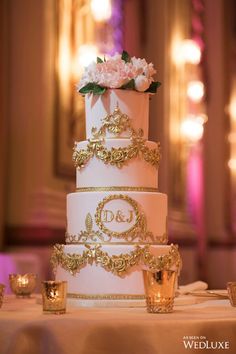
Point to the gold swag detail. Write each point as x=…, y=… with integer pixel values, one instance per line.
x=116, y=123
x=117, y=264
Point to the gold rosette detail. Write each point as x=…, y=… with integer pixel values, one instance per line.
x=117, y=264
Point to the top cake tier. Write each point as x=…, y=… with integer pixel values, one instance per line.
x=121, y=105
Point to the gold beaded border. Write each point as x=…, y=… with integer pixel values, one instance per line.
x=106, y=296
x=160, y=243
x=116, y=188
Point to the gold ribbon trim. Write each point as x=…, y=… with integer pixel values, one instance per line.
x=117, y=264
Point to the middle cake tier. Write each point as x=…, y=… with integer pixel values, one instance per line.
x=116, y=162
x=116, y=217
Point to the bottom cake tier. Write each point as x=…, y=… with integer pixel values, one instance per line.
x=110, y=275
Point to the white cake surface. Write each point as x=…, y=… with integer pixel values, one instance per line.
x=152, y=205
x=135, y=172
x=134, y=104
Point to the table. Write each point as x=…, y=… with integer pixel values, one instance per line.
x=24, y=329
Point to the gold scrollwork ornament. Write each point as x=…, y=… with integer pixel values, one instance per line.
x=115, y=123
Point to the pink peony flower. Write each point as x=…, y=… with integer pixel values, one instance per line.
x=116, y=71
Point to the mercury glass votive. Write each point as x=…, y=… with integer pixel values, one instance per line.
x=22, y=285
x=54, y=296
x=2, y=288
x=160, y=290
x=231, y=288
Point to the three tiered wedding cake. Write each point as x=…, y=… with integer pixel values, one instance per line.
x=116, y=218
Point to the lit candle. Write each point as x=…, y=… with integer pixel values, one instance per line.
x=22, y=285
x=54, y=296
x=22, y=281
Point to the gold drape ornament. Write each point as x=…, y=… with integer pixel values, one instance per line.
x=117, y=264
x=116, y=156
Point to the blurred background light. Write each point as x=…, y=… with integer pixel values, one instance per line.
x=195, y=90
x=232, y=164
x=192, y=128
x=87, y=53
x=190, y=52
x=101, y=10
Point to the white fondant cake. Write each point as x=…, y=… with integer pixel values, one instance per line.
x=116, y=218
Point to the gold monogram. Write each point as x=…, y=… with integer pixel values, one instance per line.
x=108, y=216
x=119, y=217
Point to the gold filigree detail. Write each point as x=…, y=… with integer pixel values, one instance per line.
x=89, y=223
x=117, y=122
x=117, y=264
x=118, y=189
x=106, y=296
x=96, y=236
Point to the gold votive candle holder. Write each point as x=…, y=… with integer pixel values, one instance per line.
x=160, y=290
x=22, y=285
x=231, y=288
x=2, y=288
x=54, y=296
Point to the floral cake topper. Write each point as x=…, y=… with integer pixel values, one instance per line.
x=118, y=72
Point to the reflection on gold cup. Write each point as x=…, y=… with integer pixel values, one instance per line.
x=2, y=288
x=22, y=285
x=54, y=296
x=231, y=287
x=160, y=290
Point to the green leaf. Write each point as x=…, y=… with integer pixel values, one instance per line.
x=98, y=90
x=92, y=88
x=87, y=88
x=125, y=56
x=99, y=60
x=153, y=87
x=129, y=86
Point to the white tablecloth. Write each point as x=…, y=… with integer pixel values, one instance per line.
x=24, y=329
